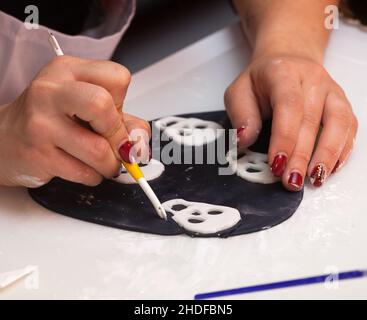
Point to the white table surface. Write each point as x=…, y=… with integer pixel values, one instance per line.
x=80, y=260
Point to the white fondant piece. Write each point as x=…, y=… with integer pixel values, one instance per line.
x=252, y=166
x=189, y=131
x=151, y=171
x=165, y=122
x=202, y=218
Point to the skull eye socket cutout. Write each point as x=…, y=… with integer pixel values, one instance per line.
x=251, y=166
x=214, y=212
x=152, y=170
x=189, y=131
x=178, y=207
x=202, y=218
x=163, y=123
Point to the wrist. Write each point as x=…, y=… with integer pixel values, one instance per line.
x=279, y=44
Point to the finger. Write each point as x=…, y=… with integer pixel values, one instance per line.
x=87, y=146
x=94, y=104
x=139, y=133
x=344, y=156
x=337, y=124
x=286, y=99
x=112, y=76
x=296, y=169
x=131, y=122
x=243, y=111
x=69, y=168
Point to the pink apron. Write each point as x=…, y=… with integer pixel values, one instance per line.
x=24, y=52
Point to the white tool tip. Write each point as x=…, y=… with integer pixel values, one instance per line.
x=153, y=198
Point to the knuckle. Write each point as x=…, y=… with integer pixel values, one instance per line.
x=144, y=125
x=332, y=151
x=344, y=120
x=355, y=123
x=339, y=103
x=100, y=149
x=119, y=74
x=39, y=88
x=62, y=61
x=36, y=126
x=302, y=157
x=100, y=101
x=123, y=75
x=36, y=122
x=113, y=124
x=311, y=121
x=287, y=136
x=291, y=100
x=87, y=175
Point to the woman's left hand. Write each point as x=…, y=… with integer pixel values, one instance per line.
x=301, y=97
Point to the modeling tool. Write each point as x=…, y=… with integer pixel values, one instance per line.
x=137, y=174
x=324, y=278
x=54, y=44
x=133, y=168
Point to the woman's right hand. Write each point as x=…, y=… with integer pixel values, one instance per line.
x=45, y=133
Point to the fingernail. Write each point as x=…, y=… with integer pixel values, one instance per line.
x=278, y=165
x=318, y=175
x=125, y=150
x=295, y=180
x=336, y=167
x=240, y=131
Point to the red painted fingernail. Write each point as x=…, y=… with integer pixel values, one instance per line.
x=278, y=165
x=295, y=180
x=239, y=131
x=318, y=175
x=125, y=150
x=336, y=167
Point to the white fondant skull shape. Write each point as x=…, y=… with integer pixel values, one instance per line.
x=151, y=171
x=251, y=166
x=202, y=218
x=189, y=131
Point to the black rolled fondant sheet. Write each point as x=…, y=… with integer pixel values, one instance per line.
x=125, y=206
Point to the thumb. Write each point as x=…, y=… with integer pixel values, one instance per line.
x=243, y=110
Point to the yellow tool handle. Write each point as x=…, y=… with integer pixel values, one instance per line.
x=134, y=170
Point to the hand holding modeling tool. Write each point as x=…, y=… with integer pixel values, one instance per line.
x=133, y=167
